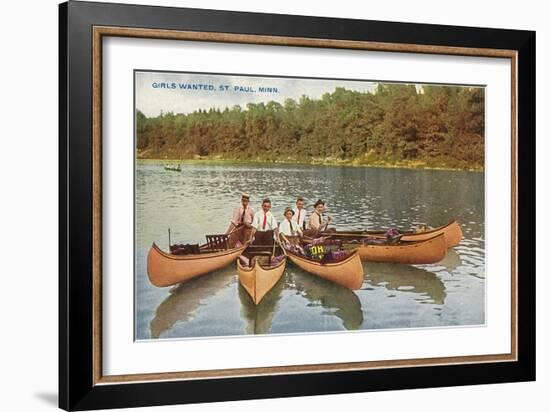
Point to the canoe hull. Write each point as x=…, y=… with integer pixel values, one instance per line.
x=258, y=281
x=348, y=273
x=451, y=231
x=165, y=269
x=428, y=251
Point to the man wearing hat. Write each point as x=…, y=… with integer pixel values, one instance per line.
x=289, y=227
x=242, y=216
x=316, y=222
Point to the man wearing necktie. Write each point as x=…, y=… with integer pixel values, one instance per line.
x=317, y=223
x=289, y=227
x=264, y=226
x=242, y=216
x=300, y=213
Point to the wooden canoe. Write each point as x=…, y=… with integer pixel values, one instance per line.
x=165, y=269
x=258, y=319
x=348, y=272
x=259, y=279
x=452, y=232
x=410, y=252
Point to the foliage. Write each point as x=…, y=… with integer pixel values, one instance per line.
x=437, y=126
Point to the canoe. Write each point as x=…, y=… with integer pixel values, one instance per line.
x=348, y=272
x=452, y=232
x=419, y=252
x=258, y=319
x=259, y=279
x=165, y=269
x=173, y=168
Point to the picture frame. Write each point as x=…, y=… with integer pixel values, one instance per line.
x=83, y=27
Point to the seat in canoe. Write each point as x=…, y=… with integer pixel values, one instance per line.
x=259, y=272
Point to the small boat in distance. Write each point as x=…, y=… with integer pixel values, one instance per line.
x=347, y=272
x=167, y=269
x=452, y=231
x=259, y=270
x=173, y=168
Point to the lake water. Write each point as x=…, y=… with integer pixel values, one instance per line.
x=200, y=200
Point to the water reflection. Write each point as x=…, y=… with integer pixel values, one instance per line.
x=186, y=298
x=337, y=300
x=405, y=278
x=451, y=261
x=259, y=318
x=201, y=198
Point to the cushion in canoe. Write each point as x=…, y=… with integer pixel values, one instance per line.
x=264, y=261
x=185, y=249
x=330, y=252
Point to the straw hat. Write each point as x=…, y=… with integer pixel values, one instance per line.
x=288, y=209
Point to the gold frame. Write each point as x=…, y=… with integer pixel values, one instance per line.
x=102, y=31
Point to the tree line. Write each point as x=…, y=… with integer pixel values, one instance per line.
x=437, y=126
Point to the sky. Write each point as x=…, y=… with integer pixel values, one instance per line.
x=188, y=92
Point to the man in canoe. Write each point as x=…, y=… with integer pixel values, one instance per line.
x=317, y=223
x=300, y=213
x=289, y=227
x=243, y=216
x=264, y=225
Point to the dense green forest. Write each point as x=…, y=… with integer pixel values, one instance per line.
x=396, y=125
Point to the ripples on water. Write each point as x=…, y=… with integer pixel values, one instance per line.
x=201, y=198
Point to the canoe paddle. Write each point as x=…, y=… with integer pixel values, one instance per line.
x=273, y=251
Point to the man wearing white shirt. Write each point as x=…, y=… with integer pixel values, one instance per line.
x=289, y=227
x=264, y=225
x=300, y=213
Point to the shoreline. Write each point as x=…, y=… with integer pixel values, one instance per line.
x=416, y=165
